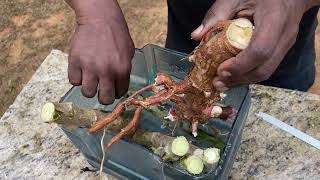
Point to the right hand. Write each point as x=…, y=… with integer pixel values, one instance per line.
x=276, y=29
x=101, y=53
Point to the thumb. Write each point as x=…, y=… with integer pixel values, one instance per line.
x=220, y=10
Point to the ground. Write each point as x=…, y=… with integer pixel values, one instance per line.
x=29, y=29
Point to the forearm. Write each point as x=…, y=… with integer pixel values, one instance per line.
x=95, y=10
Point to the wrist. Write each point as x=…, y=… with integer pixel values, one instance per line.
x=95, y=11
x=311, y=3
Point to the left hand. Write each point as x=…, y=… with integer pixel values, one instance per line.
x=276, y=28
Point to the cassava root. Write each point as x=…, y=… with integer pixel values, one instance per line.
x=195, y=96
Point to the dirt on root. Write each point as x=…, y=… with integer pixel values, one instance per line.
x=30, y=29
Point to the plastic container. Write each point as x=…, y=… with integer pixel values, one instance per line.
x=126, y=160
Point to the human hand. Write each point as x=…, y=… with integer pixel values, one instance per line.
x=101, y=52
x=276, y=28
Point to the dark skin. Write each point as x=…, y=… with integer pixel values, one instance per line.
x=102, y=49
x=276, y=29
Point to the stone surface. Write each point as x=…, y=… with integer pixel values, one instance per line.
x=30, y=149
x=267, y=152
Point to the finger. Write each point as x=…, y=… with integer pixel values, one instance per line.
x=74, y=72
x=220, y=10
x=220, y=85
x=106, y=90
x=89, y=84
x=248, y=78
x=122, y=85
x=262, y=46
x=264, y=71
x=247, y=13
x=246, y=10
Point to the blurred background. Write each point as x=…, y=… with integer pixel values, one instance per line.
x=29, y=29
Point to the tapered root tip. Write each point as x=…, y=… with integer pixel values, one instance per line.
x=239, y=33
x=48, y=112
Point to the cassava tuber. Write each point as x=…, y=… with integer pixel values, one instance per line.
x=195, y=97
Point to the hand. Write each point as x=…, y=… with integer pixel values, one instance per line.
x=276, y=28
x=101, y=53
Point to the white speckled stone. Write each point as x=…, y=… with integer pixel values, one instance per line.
x=267, y=152
x=31, y=149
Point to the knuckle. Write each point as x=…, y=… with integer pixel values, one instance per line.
x=73, y=58
x=89, y=61
x=261, y=52
x=210, y=13
x=115, y=57
x=123, y=69
x=103, y=72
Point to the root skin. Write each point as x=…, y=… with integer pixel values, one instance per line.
x=108, y=119
x=133, y=123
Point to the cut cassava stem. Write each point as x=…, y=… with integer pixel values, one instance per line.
x=157, y=140
x=71, y=116
x=68, y=114
x=173, y=148
x=193, y=164
x=211, y=155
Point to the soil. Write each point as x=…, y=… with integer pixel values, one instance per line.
x=29, y=29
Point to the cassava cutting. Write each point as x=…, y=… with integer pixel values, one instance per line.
x=169, y=149
x=195, y=97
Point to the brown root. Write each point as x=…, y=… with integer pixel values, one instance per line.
x=132, y=125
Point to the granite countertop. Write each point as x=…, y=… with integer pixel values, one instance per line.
x=34, y=150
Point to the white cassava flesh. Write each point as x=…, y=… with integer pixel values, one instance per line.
x=180, y=146
x=194, y=164
x=211, y=155
x=198, y=152
x=216, y=111
x=48, y=112
x=239, y=33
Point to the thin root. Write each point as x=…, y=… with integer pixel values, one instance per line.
x=133, y=123
x=107, y=120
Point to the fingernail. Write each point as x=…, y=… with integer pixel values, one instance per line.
x=223, y=89
x=225, y=74
x=198, y=30
x=219, y=84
